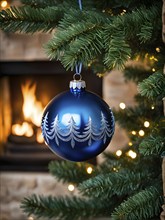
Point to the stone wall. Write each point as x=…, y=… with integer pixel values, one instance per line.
x=15, y=186
x=22, y=47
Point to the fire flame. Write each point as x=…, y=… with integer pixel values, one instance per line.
x=32, y=108
x=32, y=111
x=39, y=136
x=24, y=129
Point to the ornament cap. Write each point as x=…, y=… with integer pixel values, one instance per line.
x=79, y=84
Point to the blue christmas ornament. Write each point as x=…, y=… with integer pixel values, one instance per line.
x=77, y=125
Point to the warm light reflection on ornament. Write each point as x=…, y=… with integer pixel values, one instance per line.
x=66, y=118
x=89, y=170
x=157, y=49
x=130, y=144
x=122, y=105
x=146, y=124
x=132, y=154
x=141, y=133
x=118, y=153
x=71, y=187
x=152, y=107
x=133, y=132
x=153, y=70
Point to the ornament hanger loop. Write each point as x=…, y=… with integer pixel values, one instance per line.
x=78, y=66
x=80, y=4
x=79, y=75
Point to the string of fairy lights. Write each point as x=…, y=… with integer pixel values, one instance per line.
x=71, y=187
x=141, y=133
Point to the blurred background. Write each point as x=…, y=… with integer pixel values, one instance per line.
x=28, y=81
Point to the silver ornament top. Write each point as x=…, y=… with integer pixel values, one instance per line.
x=79, y=84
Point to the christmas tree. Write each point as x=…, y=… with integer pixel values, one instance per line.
x=105, y=35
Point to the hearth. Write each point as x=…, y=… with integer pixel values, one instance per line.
x=26, y=88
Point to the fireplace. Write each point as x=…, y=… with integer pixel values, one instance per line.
x=26, y=88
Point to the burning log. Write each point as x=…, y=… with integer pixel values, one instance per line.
x=21, y=139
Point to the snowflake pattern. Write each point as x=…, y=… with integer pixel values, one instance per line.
x=72, y=131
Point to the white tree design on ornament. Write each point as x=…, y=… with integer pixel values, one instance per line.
x=72, y=133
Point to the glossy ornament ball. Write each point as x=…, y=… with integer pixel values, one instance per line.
x=77, y=125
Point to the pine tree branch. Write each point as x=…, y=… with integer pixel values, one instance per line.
x=131, y=23
x=82, y=50
x=66, y=171
x=143, y=205
x=94, y=34
x=130, y=31
x=40, y=3
x=153, y=145
x=153, y=86
x=79, y=36
x=147, y=23
x=29, y=20
x=65, y=208
x=120, y=183
x=119, y=52
x=80, y=46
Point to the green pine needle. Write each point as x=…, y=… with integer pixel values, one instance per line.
x=78, y=40
x=143, y=205
x=119, y=52
x=65, y=208
x=118, y=183
x=30, y=20
x=153, y=86
x=152, y=145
